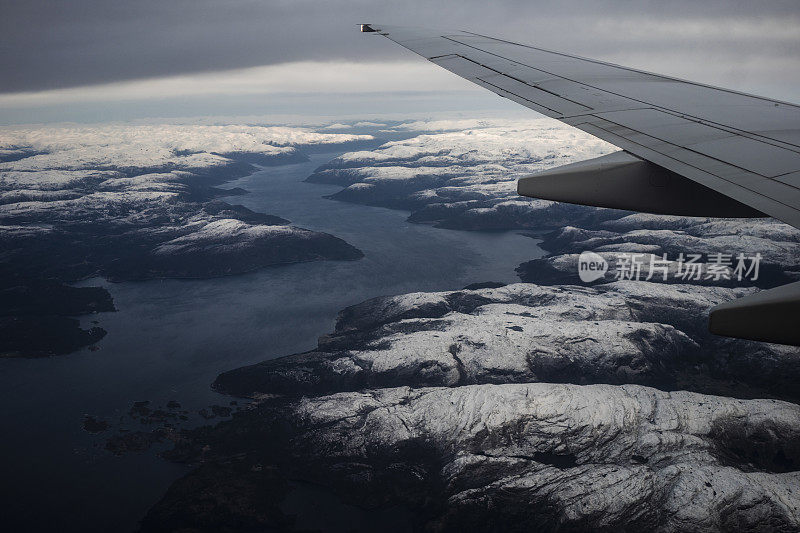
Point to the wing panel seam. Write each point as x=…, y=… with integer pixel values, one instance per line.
x=604, y=63
x=690, y=149
x=743, y=133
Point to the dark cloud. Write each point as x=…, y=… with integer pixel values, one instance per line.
x=49, y=44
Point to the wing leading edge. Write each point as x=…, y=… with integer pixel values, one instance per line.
x=691, y=148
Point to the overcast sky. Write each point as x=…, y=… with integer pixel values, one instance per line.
x=134, y=50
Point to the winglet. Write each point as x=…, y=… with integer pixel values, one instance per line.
x=367, y=28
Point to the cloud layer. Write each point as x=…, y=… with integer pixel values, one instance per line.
x=305, y=77
x=49, y=44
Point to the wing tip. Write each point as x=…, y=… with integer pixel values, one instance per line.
x=367, y=28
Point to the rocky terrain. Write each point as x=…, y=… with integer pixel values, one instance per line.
x=621, y=332
x=462, y=174
x=546, y=405
x=566, y=457
x=132, y=202
x=653, y=237
x=512, y=457
x=513, y=408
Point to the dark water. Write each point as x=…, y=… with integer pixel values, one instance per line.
x=171, y=338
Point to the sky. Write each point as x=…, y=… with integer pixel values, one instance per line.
x=111, y=59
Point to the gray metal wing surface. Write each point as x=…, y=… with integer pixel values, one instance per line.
x=724, y=153
x=745, y=147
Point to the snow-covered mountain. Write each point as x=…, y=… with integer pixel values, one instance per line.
x=128, y=201
x=465, y=178
x=548, y=405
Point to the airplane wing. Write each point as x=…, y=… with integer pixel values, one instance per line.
x=689, y=148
